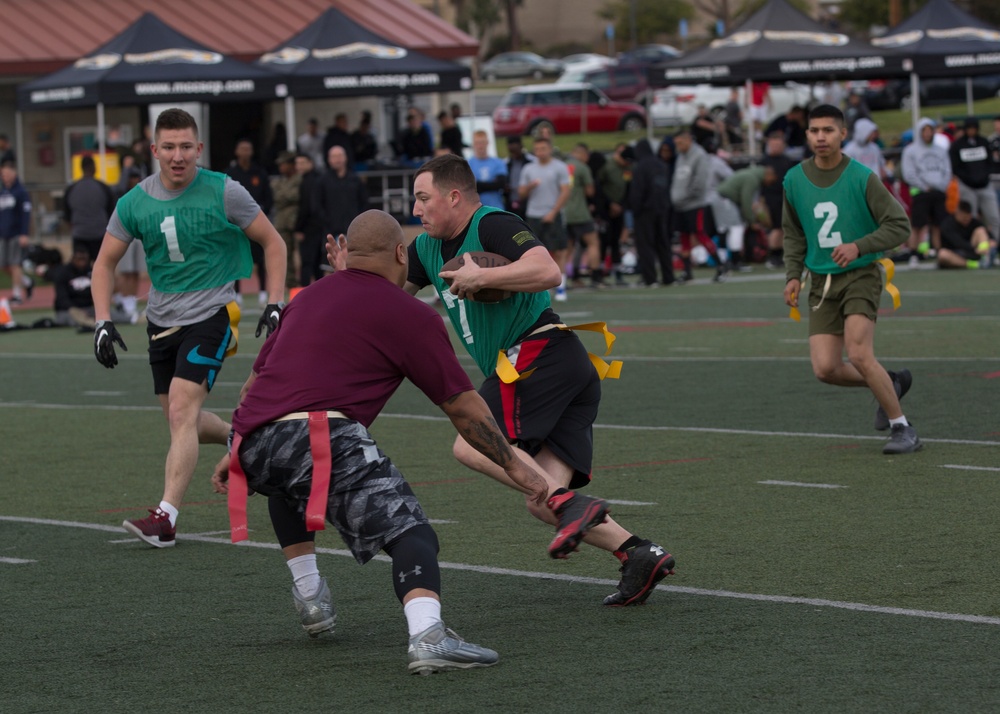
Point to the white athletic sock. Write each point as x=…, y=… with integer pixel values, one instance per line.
x=170, y=511
x=129, y=303
x=305, y=575
x=900, y=420
x=421, y=613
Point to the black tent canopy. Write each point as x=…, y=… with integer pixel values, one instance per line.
x=778, y=43
x=149, y=62
x=942, y=40
x=336, y=57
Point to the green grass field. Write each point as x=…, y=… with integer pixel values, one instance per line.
x=814, y=574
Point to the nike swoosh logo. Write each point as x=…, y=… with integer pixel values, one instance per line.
x=194, y=358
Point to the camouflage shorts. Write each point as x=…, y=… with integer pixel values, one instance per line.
x=370, y=503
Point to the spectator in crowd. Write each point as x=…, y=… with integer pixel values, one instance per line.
x=649, y=200
x=490, y=171
x=580, y=226
x=277, y=146
x=74, y=303
x=740, y=209
x=733, y=121
x=972, y=165
x=761, y=106
x=704, y=128
x=857, y=108
x=612, y=182
x=15, y=227
x=132, y=266
x=252, y=176
x=451, y=135
x=545, y=186
x=285, y=188
x=310, y=143
x=690, y=196
x=517, y=159
x=7, y=154
x=338, y=135
x=88, y=204
x=864, y=147
x=379, y=330
x=777, y=159
x=309, y=233
x=965, y=242
x=363, y=143
x=926, y=169
x=341, y=194
x=415, y=143
x=792, y=127
x=995, y=157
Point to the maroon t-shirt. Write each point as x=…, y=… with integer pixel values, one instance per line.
x=345, y=343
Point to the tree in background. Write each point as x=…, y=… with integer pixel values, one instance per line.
x=862, y=15
x=478, y=17
x=653, y=18
x=512, y=30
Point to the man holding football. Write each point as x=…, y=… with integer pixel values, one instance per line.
x=547, y=410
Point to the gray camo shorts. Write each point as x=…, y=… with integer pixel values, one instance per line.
x=370, y=504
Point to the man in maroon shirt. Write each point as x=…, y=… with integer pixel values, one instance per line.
x=343, y=347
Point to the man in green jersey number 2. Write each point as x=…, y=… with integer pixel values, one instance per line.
x=838, y=218
x=194, y=225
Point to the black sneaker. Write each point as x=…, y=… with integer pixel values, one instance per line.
x=903, y=440
x=901, y=381
x=577, y=514
x=643, y=566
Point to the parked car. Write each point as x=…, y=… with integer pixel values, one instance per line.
x=895, y=94
x=678, y=104
x=564, y=108
x=623, y=82
x=649, y=54
x=585, y=62
x=519, y=64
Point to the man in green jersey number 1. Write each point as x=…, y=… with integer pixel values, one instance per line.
x=838, y=218
x=194, y=225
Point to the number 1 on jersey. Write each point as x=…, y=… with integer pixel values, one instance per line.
x=169, y=228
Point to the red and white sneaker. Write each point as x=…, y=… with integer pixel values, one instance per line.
x=154, y=529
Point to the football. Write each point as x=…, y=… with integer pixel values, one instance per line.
x=483, y=260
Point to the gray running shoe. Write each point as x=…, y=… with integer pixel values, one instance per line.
x=901, y=380
x=437, y=649
x=317, y=614
x=903, y=440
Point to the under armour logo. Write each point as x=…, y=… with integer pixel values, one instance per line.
x=656, y=549
x=415, y=571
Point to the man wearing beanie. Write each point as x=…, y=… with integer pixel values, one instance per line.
x=970, y=161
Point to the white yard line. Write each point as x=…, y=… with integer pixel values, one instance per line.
x=969, y=468
x=803, y=485
x=701, y=592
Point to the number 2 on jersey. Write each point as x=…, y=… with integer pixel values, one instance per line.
x=827, y=210
x=169, y=228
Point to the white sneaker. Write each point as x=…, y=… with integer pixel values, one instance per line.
x=560, y=294
x=262, y=299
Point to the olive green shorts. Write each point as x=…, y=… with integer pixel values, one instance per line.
x=856, y=292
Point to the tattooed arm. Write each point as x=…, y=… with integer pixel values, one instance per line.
x=474, y=422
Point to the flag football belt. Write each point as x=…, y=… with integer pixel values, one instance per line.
x=319, y=445
x=508, y=373
x=890, y=272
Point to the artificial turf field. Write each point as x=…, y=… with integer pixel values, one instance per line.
x=814, y=574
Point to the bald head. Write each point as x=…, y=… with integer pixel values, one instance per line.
x=375, y=243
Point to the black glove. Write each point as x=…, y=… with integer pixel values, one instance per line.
x=270, y=319
x=105, y=335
